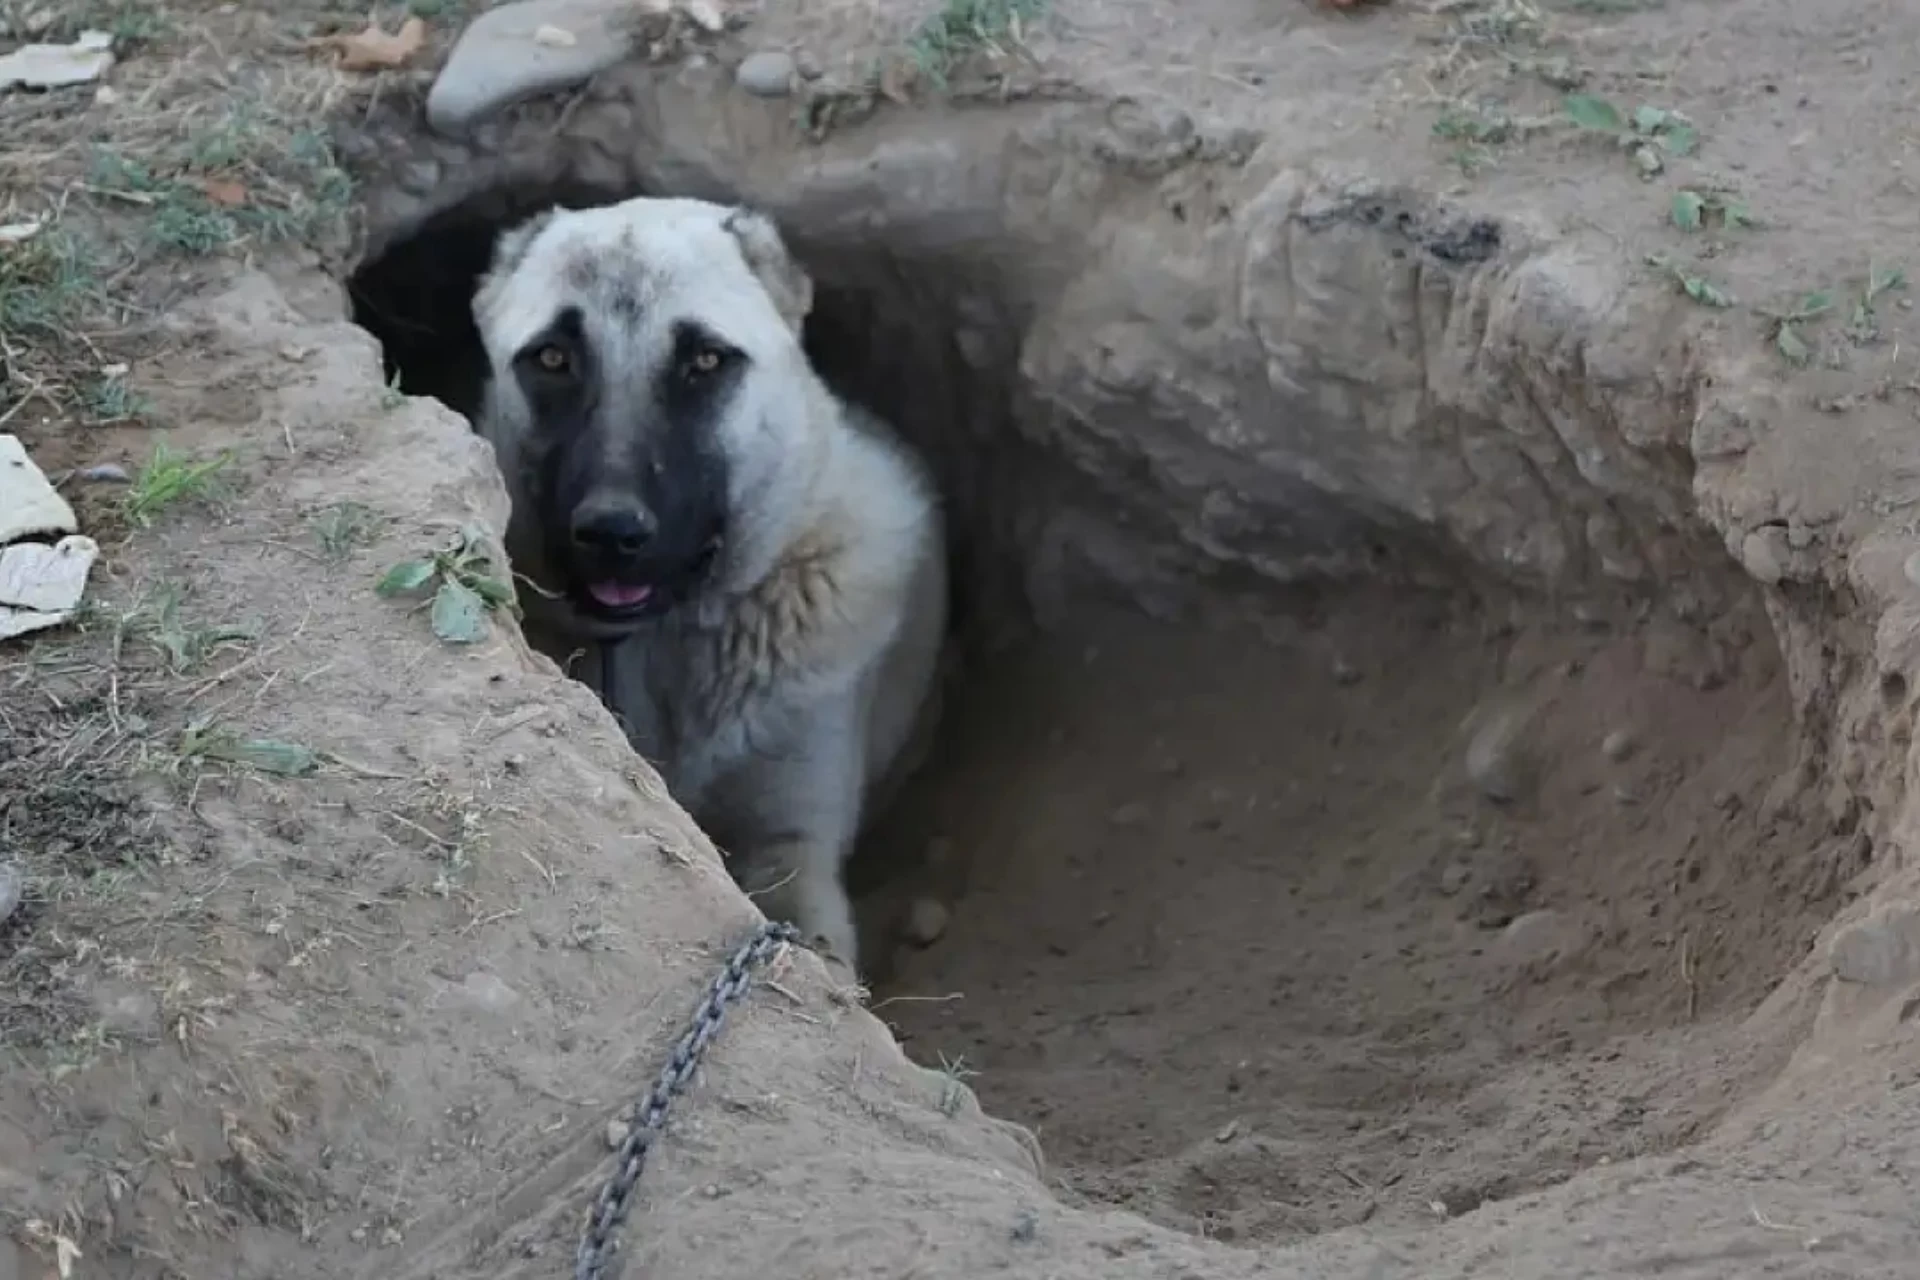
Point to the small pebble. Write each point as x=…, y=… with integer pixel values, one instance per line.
x=767, y=74
x=617, y=1131
x=1494, y=760
x=12, y=886
x=1618, y=745
x=926, y=921
x=1345, y=673
x=105, y=473
x=1538, y=936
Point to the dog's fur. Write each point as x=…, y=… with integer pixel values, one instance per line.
x=780, y=663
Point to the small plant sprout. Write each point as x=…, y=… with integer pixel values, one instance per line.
x=1648, y=134
x=954, y=1075
x=168, y=478
x=467, y=589
x=344, y=527
x=1863, y=325
x=110, y=400
x=1695, y=286
x=1693, y=210
x=1788, y=338
x=961, y=28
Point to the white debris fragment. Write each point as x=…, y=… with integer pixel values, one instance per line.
x=20, y=232
x=55, y=66
x=29, y=505
x=705, y=14
x=41, y=585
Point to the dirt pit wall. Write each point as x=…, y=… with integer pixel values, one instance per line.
x=376, y=1022
x=1159, y=358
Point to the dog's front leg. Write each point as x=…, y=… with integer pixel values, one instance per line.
x=805, y=802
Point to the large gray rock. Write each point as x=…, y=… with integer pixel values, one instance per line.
x=1881, y=951
x=521, y=50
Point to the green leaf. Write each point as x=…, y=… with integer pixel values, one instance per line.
x=1788, y=340
x=268, y=755
x=1647, y=160
x=1813, y=304
x=1648, y=119
x=1881, y=281
x=470, y=542
x=1593, y=113
x=495, y=592
x=1705, y=292
x=459, y=614
x=1680, y=139
x=408, y=575
x=1688, y=206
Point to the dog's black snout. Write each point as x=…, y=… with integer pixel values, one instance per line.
x=616, y=526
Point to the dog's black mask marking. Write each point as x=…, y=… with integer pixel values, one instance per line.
x=632, y=479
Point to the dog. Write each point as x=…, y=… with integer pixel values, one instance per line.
x=760, y=563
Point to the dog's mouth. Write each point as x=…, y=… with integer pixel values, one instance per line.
x=620, y=599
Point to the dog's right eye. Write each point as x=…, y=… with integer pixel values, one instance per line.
x=553, y=359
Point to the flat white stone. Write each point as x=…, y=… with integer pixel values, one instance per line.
x=55, y=66
x=41, y=585
x=767, y=74
x=29, y=505
x=521, y=50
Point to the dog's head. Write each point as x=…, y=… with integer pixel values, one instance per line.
x=651, y=406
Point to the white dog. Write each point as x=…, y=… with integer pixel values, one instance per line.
x=761, y=562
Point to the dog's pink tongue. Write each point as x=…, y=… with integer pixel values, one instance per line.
x=618, y=595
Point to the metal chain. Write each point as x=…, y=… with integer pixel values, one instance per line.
x=647, y=1115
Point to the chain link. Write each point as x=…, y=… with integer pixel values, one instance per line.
x=647, y=1115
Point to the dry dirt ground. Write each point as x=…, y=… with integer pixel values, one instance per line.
x=1551, y=924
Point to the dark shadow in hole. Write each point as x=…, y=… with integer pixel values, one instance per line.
x=416, y=297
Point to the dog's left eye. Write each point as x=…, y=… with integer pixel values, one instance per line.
x=706, y=360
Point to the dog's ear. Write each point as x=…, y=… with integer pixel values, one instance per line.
x=784, y=279
x=508, y=249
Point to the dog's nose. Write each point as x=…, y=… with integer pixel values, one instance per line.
x=617, y=525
